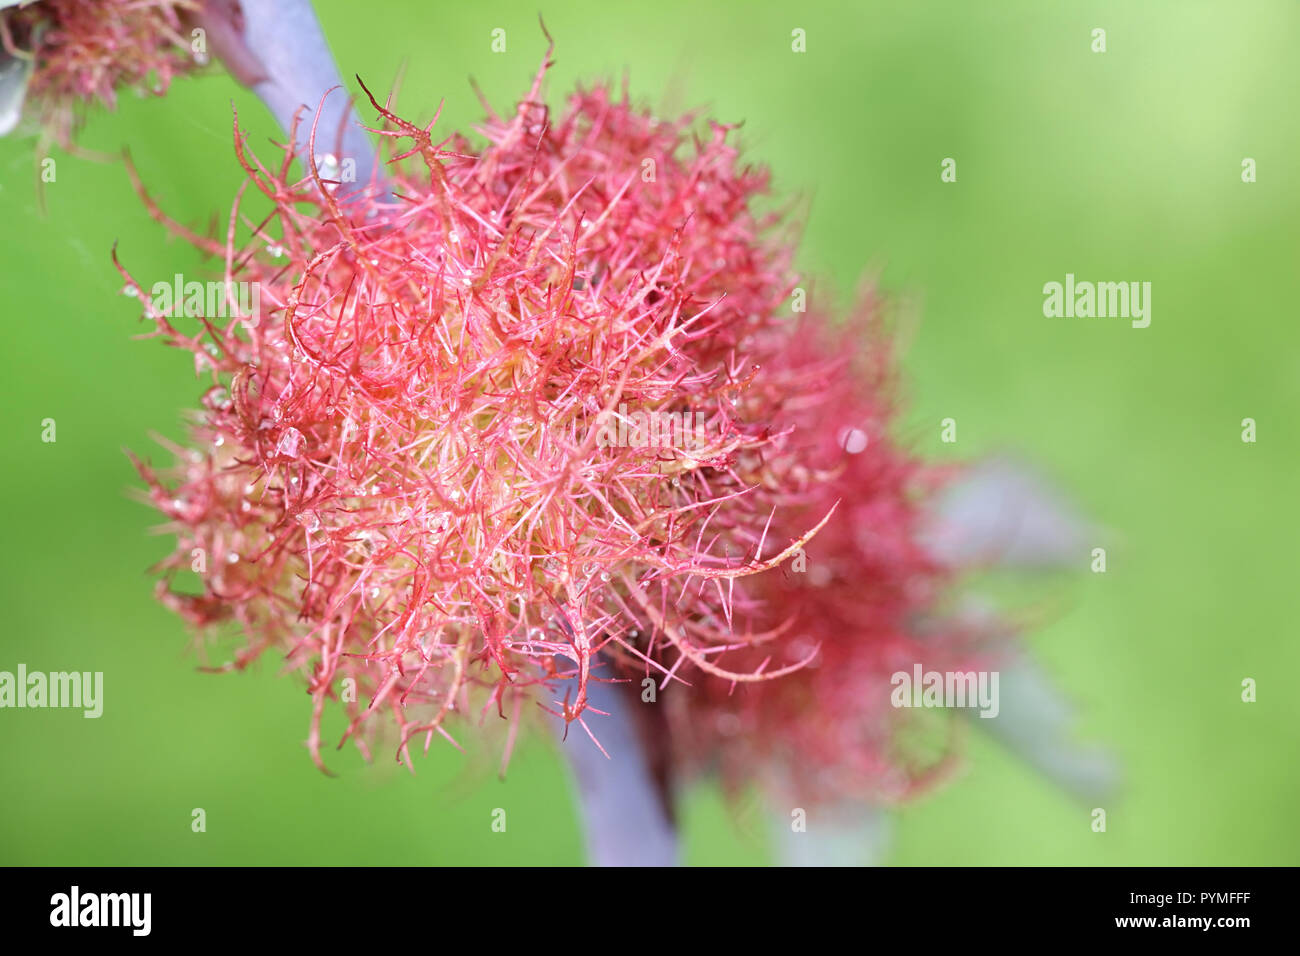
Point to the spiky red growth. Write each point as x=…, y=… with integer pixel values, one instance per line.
x=400, y=478
x=84, y=51
x=865, y=591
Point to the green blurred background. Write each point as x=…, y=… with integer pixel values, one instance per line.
x=1117, y=166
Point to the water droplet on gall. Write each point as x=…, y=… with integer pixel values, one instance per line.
x=853, y=440
x=290, y=444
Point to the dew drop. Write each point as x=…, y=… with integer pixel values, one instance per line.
x=604, y=576
x=130, y=292
x=290, y=444
x=853, y=440
x=309, y=520
x=232, y=558
x=276, y=251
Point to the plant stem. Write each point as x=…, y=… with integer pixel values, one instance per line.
x=277, y=49
x=624, y=818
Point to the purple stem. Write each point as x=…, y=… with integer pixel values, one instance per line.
x=624, y=819
x=277, y=49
